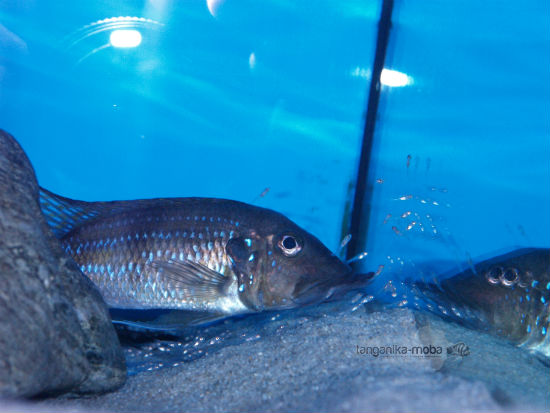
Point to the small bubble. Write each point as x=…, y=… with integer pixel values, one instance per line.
x=390, y=289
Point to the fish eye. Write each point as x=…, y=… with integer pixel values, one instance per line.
x=509, y=277
x=289, y=245
x=493, y=275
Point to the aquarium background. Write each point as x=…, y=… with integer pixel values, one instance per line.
x=264, y=102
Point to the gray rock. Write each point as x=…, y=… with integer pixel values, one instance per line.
x=55, y=331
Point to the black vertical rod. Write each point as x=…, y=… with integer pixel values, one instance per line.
x=363, y=188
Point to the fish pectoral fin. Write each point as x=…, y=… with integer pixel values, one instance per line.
x=196, y=280
x=145, y=325
x=164, y=320
x=197, y=318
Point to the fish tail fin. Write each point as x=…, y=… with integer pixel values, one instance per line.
x=65, y=214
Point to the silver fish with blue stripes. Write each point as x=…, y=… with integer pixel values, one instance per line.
x=211, y=258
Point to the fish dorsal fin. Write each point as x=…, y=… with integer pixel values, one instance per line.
x=195, y=280
x=65, y=214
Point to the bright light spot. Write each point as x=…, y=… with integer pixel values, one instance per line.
x=213, y=6
x=125, y=38
x=252, y=60
x=394, y=78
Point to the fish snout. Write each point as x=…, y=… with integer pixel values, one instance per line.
x=315, y=288
x=353, y=282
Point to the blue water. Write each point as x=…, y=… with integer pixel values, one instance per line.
x=476, y=123
x=227, y=99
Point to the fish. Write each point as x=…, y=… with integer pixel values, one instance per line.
x=207, y=258
x=507, y=295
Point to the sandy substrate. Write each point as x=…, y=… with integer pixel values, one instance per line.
x=311, y=360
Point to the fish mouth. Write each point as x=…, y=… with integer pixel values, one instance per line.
x=312, y=294
x=330, y=290
x=354, y=282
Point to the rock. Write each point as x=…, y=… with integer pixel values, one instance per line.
x=55, y=332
